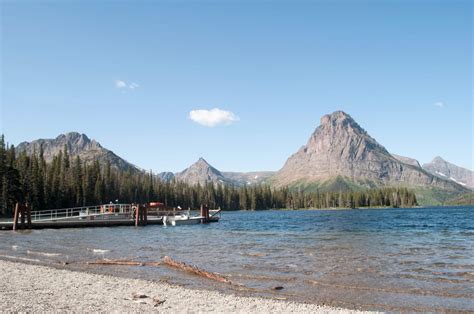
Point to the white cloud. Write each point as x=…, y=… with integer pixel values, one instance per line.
x=120, y=84
x=123, y=85
x=439, y=104
x=213, y=117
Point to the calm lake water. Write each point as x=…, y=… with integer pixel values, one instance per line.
x=385, y=259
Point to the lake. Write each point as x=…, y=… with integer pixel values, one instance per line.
x=419, y=259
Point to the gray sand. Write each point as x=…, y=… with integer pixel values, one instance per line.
x=31, y=288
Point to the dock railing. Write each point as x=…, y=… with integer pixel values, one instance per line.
x=94, y=212
x=105, y=211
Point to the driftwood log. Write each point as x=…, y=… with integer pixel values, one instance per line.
x=165, y=261
x=194, y=270
x=123, y=262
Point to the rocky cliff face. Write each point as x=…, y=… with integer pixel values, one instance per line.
x=201, y=172
x=446, y=170
x=340, y=149
x=407, y=160
x=77, y=145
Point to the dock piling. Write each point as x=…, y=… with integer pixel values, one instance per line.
x=137, y=216
x=15, y=217
x=204, y=213
x=22, y=216
x=141, y=215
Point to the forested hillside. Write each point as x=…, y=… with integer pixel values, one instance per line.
x=70, y=182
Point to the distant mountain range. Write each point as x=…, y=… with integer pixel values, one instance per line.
x=77, y=144
x=88, y=150
x=443, y=169
x=446, y=170
x=202, y=172
x=339, y=155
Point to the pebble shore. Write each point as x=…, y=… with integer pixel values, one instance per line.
x=33, y=288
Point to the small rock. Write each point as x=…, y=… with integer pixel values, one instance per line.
x=139, y=296
x=158, y=301
x=278, y=288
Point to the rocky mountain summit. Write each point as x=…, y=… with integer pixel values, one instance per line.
x=340, y=152
x=77, y=145
x=201, y=172
x=443, y=169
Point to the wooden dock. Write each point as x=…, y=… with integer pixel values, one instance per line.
x=106, y=215
x=8, y=225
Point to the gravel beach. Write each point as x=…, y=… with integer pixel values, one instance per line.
x=32, y=288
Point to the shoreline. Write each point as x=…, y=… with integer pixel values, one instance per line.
x=33, y=288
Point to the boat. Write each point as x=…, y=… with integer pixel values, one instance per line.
x=183, y=219
x=186, y=219
x=214, y=215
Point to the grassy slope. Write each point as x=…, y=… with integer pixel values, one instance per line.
x=432, y=196
x=425, y=195
x=464, y=199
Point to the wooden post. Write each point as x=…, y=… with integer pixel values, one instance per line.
x=202, y=213
x=137, y=210
x=141, y=216
x=207, y=213
x=15, y=216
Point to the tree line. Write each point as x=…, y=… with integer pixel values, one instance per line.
x=69, y=182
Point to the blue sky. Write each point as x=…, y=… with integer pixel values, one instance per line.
x=129, y=73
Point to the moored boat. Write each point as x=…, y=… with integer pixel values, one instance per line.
x=183, y=219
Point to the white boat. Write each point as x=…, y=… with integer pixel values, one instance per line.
x=183, y=219
x=214, y=215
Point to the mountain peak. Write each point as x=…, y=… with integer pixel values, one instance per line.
x=78, y=144
x=201, y=172
x=202, y=164
x=340, y=120
x=341, y=148
x=202, y=161
x=438, y=159
x=335, y=117
x=75, y=138
x=446, y=170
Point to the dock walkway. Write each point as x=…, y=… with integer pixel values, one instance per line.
x=106, y=215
